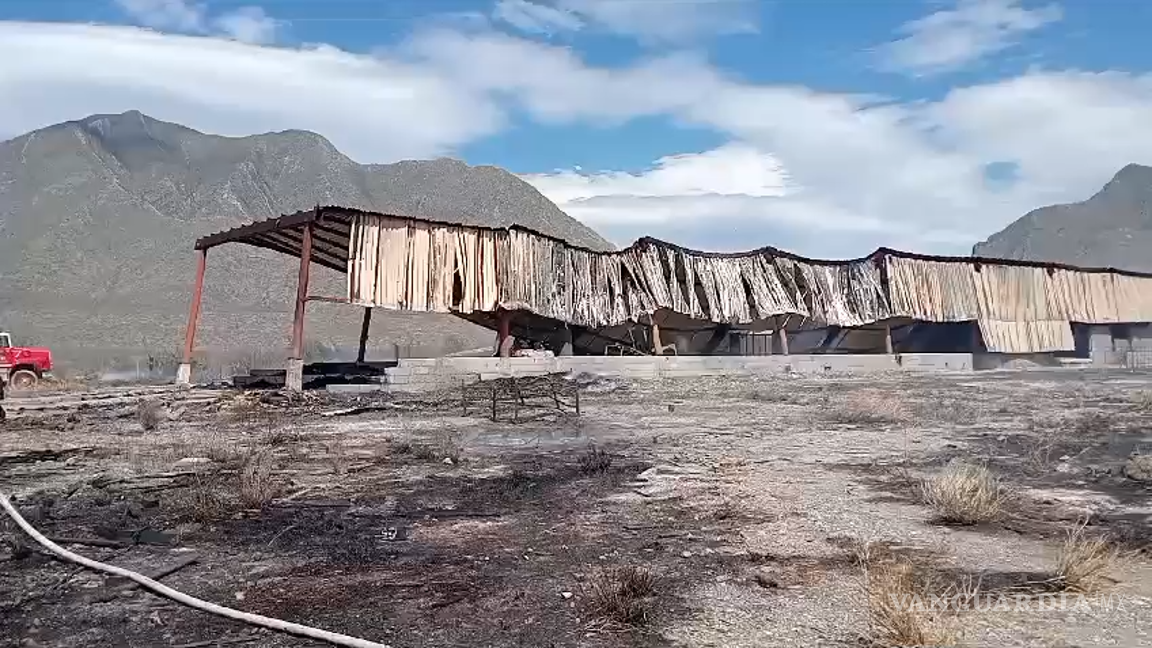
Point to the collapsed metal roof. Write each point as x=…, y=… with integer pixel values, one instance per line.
x=333, y=226
x=425, y=265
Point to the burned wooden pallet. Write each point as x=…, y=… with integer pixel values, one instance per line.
x=553, y=393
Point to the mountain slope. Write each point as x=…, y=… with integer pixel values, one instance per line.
x=98, y=217
x=1113, y=228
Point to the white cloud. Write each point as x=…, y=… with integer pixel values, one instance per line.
x=249, y=25
x=372, y=109
x=178, y=15
x=536, y=18
x=824, y=173
x=731, y=170
x=246, y=24
x=914, y=175
x=952, y=38
x=651, y=21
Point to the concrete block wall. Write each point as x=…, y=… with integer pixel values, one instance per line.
x=432, y=373
x=1141, y=340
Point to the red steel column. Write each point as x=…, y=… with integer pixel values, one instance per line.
x=194, y=312
x=301, y=294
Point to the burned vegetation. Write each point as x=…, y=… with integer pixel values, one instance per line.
x=696, y=512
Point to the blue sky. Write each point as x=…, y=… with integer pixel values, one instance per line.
x=825, y=126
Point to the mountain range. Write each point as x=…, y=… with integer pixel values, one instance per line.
x=98, y=217
x=1113, y=228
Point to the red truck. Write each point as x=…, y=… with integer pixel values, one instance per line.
x=23, y=367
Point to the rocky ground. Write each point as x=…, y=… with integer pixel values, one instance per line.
x=735, y=511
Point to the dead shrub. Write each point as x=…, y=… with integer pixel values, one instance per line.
x=1085, y=562
x=279, y=436
x=899, y=605
x=444, y=445
x=257, y=484
x=424, y=452
x=773, y=396
x=1142, y=401
x=621, y=597
x=213, y=445
x=450, y=445
x=965, y=494
x=208, y=499
x=150, y=414
x=595, y=461
x=220, y=453
x=1093, y=423
x=13, y=537
x=729, y=509
x=871, y=406
x=1040, y=448
x=337, y=455
x=964, y=411
x=245, y=408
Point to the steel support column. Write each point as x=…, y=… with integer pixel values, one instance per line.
x=294, y=379
x=364, y=335
x=184, y=373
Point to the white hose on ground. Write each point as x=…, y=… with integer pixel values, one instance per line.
x=180, y=597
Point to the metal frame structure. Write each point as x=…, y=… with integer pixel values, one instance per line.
x=323, y=235
x=319, y=235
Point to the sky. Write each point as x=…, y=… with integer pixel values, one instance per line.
x=827, y=127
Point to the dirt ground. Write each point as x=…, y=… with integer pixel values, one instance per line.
x=415, y=524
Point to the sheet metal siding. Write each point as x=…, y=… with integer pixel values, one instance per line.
x=416, y=265
x=403, y=264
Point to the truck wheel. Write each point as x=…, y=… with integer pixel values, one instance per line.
x=23, y=379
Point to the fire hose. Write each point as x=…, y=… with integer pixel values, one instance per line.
x=179, y=597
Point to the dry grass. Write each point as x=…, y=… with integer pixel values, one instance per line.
x=893, y=587
x=337, y=455
x=280, y=436
x=150, y=414
x=1092, y=423
x=965, y=494
x=12, y=537
x=595, y=461
x=1142, y=401
x=1040, y=448
x=257, y=483
x=450, y=445
x=620, y=597
x=245, y=408
x=446, y=444
x=1085, y=562
x=208, y=499
x=871, y=406
x=729, y=509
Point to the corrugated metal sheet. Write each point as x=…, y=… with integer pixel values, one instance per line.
x=418, y=265
x=932, y=291
x=1026, y=337
x=401, y=263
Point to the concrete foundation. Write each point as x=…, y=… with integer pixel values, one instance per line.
x=432, y=373
x=294, y=378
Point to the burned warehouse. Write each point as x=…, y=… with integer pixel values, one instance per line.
x=655, y=298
